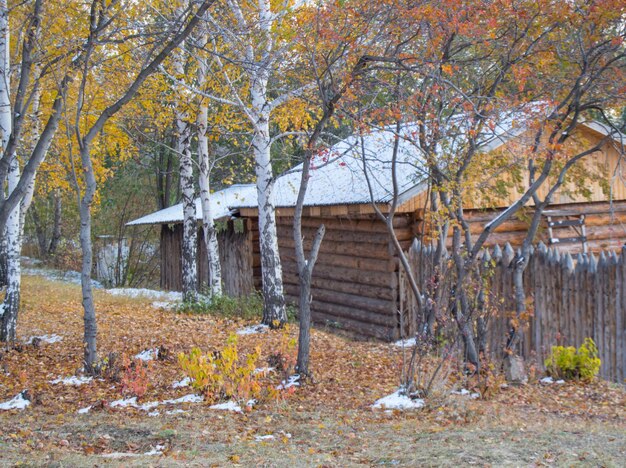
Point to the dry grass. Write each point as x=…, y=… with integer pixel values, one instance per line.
x=330, y=421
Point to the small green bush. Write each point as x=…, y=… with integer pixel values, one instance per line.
x=569, y=363
x=247, y=307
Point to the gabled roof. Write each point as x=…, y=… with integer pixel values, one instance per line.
x=338, y=176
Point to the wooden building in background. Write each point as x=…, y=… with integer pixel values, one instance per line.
x=355, y=281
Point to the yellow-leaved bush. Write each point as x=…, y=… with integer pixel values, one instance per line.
x=571, y=363
x=221, y=375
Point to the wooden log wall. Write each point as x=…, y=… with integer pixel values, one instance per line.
x=572, y=298
x=354, y=284
x=605, y=225
x=235, y=256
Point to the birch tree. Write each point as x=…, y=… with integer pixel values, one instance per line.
x=10, y=305
x=99, y=19
x=184, y=132
x=204, y=173
x=253, y=37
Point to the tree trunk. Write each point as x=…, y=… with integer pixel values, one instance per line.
x=11, y=303
x=56, y=224
x=274, y=313
x=208, y=224
x=204, y=178
x=190, y=229
x=91, y=327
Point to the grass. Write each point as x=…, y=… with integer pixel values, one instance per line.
x=329, y=421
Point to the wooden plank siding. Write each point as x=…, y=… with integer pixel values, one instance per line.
x=235, y=258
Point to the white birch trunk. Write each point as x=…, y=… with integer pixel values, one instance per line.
x=11, y=303
x=274, y=313
x=190, y=230
x=208, y=223
x=204, y=179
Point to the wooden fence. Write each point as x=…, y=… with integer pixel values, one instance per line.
x=571, y=298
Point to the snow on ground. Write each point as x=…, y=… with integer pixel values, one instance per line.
x=49, y=339
x=148, y=355
x=169, y=296
x=69, y=276
x=292, y=381
x=123, y=403
x=261, y=438
x=263, y=370
x=132, y=402
x=550, y=380
x=466, y=392
x=164, y=305
x=17, y=402
x=182, y=383
x=84, y=410
x=73, y=380
x=398, y=400
x=409, y=342
x=252, y=329
x=158, y=450
x=227, y=406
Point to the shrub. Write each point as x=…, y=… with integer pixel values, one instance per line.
x=135, y=379
x=569, y=363
x=247, y=307
x=221, y=375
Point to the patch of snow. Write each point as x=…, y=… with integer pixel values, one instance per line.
x=176, y=411
x=164, y=305
x=398, y=400
x=84, y=410
x=182, y=383
x=73, y=380
x=409, y=342
x=49, y=339
x=292, y=381
x=263, y=370
x=132, y=402
x=550, y=380
x=465, y=392
x=170, y=296
x=227, y=406
x=253, y=329
x=71, y=277
x=148, y=355
x=123, y=403
x=264, y=437
x=153, y=414
x=17, y=402
x=158, y=450
x=191, y=398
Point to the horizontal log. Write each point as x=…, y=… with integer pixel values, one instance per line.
x=333, y=247
x=339, y=235
x=360, y=304
x=347, y=224
x=376, y=278
x=346, y=261
x=377, y=292
x=355, y=326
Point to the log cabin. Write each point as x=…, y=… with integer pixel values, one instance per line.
x=355, y=282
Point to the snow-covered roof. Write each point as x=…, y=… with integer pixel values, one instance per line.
x=338, y=176
x=221, y=204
